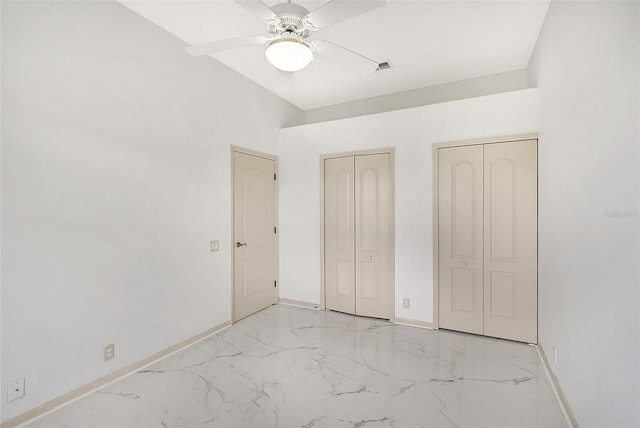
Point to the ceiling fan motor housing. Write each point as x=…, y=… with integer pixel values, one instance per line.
x=291, y=15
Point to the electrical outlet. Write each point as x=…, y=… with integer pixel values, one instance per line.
x=555, y=355
x=406, y=303
x=109, y=352
x=214, y=246
x=15, y=389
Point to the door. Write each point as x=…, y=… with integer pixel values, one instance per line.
x=460, y=234
x=358, y=234
x=487, y=239
x=254, y=234
x=510, y=241
x=339, y=234
x=373, y=230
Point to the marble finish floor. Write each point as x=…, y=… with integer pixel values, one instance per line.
x=293, y=367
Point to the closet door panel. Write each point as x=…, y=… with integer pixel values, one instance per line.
x=460, y=249
x=510, y=241
x=339, y=234
x=373, y=235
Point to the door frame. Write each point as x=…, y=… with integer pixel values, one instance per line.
x=234, y=150
x=436, y=222
x=391, y=151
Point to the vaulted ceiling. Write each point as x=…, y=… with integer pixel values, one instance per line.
x=427, y=42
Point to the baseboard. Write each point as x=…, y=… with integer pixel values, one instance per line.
x=97, y=384
x=557, y=390
x=414, y=323
x=300, y=303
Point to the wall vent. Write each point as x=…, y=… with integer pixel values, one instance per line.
x=384, y=65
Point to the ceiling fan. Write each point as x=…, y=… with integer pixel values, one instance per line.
x=289, y=27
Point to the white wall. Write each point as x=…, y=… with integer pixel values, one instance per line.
x=115, y=177
x=586, y=66
x=412, y=132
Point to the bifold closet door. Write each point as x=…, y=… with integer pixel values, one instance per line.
x=357, y=234
x=460, y=249
x=339, y=234
x=510, y=241
x=487, y=239
x=373, y=235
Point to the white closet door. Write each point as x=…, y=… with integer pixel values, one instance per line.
x=339, y=234
x=373, y=235
x=460, y=250
x=510, y=241
x=255, y=249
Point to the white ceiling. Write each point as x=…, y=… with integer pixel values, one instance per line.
x=428, y=42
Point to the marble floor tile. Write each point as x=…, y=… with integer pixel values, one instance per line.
x=293, y=367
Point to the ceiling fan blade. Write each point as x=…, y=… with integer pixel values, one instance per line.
x=339, y=10
x=283, y=81
x=345, y=57
x=224, y=45
x=259, y=9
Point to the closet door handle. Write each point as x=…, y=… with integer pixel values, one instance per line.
x=240, y=244
x=465, y=264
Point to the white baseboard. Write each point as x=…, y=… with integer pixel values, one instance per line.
x=557, y=390
x=414, y=323
x=68, y=398
x=299, y=303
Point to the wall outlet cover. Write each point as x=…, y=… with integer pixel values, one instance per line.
x=406, y=303
x=109, y=352
x=15, y=389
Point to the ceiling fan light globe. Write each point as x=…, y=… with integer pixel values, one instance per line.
x=289, y=54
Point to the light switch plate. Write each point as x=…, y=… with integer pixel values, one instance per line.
x=406, y=303
x=215, y=246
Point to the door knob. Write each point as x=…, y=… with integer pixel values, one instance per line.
x=370, y=258
x=465, y=264
x=240, y=244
